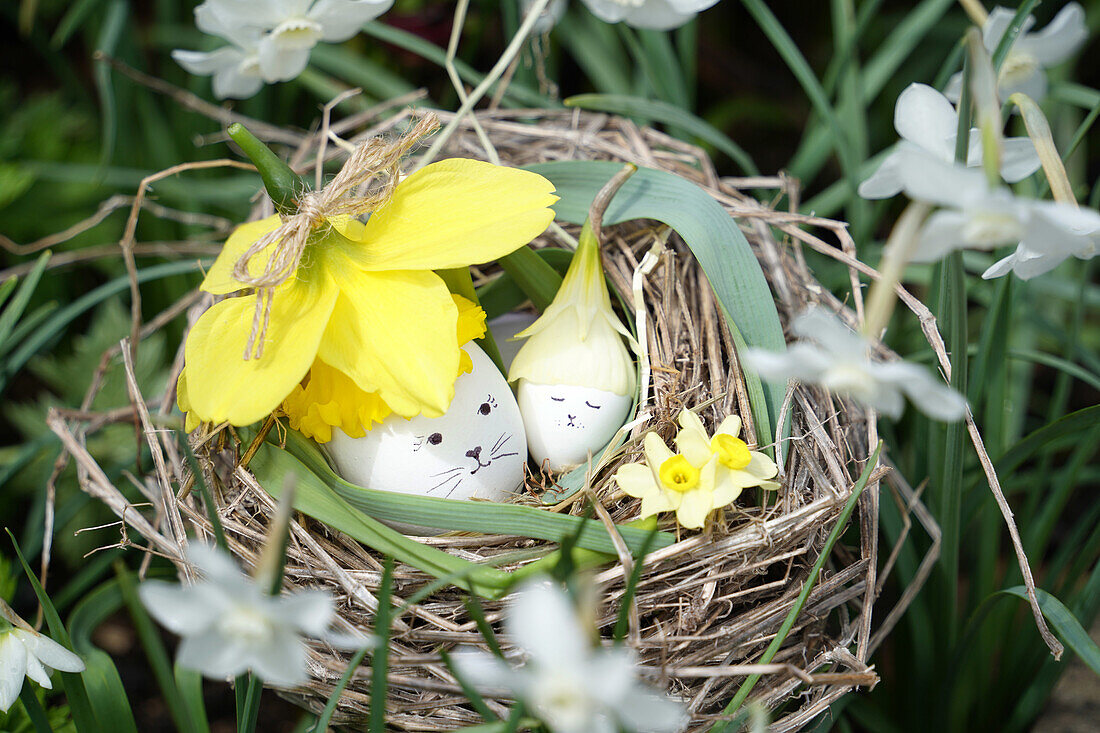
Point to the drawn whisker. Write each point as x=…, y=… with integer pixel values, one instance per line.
x=449, y=470
x=495, y=456
x=444, y=482
x=501, y=441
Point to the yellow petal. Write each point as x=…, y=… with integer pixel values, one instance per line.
x=394, y=333
x=471, y=325
x=636, y=480
x=692, y=439
x=697, y=505
x=455, y=213
x=219, y=280
x=730, y=426
x=222, y=385
x=190, y=420
x=761, y=466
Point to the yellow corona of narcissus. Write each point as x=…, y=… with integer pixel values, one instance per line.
x=707, y=473
x=364, y=307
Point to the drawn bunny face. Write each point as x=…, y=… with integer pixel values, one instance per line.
x=566, y=422
x=476, y=448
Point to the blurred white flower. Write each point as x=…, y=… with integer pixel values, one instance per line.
x=567, y=683
x=976, y=216
x=1023, y=68
x=926, y=119
x=230, y=625
x=1055, y=233
x=27, y=653
x=272, y=39
x=655, y=14
x=840, y=361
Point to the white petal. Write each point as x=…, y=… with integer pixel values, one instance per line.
x=824, y=327
x=942, y=233
x=659, y=15
x=230, y=18
x=884, y=182
x=310, y=610
x=237, y=83
x=1019, y=159
x=1033, y=85
x=1001, y=267
x=13, y=667
x=1061, y=38
x=484, y=670
x=924, y=117
x=646, y=710
x=49, y=652
x=205, y=64
x=801, y=361
x=213, y=654
x=182, y=610
x=282, y=662
x=928, y=178
x=542, y=622
x=928, y=392
x=342, y=19
x=216, y=564
x=953, y=90
x=37, y=672
x=609, y=11
x=995, y=26
x=281, y=64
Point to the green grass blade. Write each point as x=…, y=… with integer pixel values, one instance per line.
x=11, y=315
x=1067, y=427
x=154, y=651
x=652, y=110
x=622, y=623
x=34, y=710
x=75, y=690
x=334, y=697
x=110, y=31
x=380, y=659
x=63, y=317
x=358, y=70
x=106, y=691
x=189, y=683
x=713, y=237
x=504, y=295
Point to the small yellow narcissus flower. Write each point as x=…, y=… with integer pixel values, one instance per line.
x=708, y=473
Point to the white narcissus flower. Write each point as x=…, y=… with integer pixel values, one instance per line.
x=1023, y=68
x=659, y=15
x=840, y=362
x=272, y=38
x=26, y=653
x=926, y=119
x=567, y=683
x=228, y=624
x=976, y=216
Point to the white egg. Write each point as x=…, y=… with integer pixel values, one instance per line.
x=565, y=422
x=476, y=449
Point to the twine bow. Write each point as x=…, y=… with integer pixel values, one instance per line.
x=374, y=159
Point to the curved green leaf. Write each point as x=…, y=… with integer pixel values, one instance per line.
x=1065, y=623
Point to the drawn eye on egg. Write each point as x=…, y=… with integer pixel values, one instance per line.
x=594, y=407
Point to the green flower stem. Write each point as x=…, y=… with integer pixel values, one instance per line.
x=34, y=710
x=807, y=586
x=460, y=282
x=283, y=185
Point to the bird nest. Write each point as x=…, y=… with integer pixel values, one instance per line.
x=707, y=605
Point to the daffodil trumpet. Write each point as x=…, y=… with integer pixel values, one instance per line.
x=576, y=379
x=354, y=305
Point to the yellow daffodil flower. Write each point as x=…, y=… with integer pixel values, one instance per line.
x=669, y=482
x=738, y=467
x=364, y=300
x=707, y=474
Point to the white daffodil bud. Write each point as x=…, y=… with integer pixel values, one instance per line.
x=576, y=377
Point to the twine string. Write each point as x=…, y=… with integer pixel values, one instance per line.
x=376, y=159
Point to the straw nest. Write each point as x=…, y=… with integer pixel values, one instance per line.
x=708, y=604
